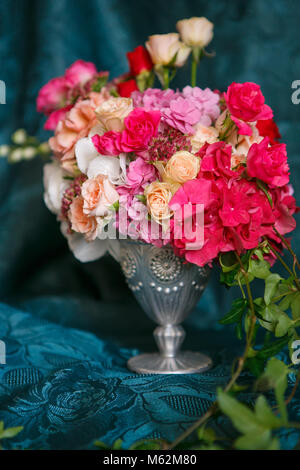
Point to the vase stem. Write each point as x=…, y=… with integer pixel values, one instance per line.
x=169, y=339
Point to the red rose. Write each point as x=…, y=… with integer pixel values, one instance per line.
x=126, y=88
x=269, y=164
x=139, y=60
x=268, y=128
x=246, y=103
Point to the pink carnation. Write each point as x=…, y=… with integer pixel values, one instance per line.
x=269, y=164
x=108, y=143
x=52, y=95
x=55, y=117
x=80, y=72
x=246, y=103
x=216, y=160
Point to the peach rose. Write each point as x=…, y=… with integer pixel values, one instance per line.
x=76, y=125
x=81, y=222
x=195, y=32
x=182, y=166
x=241, y=145
x=98, y=195
x=202, y=135
x=111, y=113
x=163, y=47
x=158, y=196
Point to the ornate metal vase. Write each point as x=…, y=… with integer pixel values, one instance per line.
x=167, y=290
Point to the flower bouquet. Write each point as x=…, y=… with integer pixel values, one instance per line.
x=168, y=181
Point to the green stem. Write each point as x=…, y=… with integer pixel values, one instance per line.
x=288, y=247
x=285, y=266
x=166, y=74
x=194, y=72
x=241, y=362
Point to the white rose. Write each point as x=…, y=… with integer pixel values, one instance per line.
x=163, y=47
x=54, y=185
x=195, y=32
x=92, y=164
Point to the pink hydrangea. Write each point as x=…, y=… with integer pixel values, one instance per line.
x=181, y=110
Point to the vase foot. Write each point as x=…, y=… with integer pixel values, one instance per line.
x=186, y=362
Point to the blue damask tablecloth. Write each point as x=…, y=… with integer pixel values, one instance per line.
x=68, y=386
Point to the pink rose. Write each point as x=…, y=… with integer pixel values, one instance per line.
x=140, y=127
x=216, y=159
x=108, y=143
x=55, y=117
x=80, y=72
x=246, y=103
x=52, y=96
x=269, y=164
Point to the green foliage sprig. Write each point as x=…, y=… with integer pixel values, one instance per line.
x=24, y=147
x=8, y=433
x=276, y=314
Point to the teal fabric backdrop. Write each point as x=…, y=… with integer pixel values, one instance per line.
x=69, y=387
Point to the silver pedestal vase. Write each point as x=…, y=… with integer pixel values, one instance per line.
x=167, y=289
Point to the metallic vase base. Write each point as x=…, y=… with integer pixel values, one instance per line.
x=185, y=362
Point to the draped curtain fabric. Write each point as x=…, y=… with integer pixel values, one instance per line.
x=69, y=327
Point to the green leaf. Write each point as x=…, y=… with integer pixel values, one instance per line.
x=206, y=434
x=265, y=415
x=275, y=376
x=101, y=445
x=147, y=444
x=236, y=312
x=10, y=432
x=117, y=445
x=259, y=268
x=271, y=283
x=228, y=262
x=273, y=348
x=271, y=315
x=242, y=417
x=283, y=325
x=295, y=306
x=141, y=198
x=256, y=365
x=257, y=441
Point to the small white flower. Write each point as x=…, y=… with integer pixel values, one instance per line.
x=19, y=137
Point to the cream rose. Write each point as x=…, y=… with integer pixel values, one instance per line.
x=202, y=135
x=98, y=195
x=81, y=222
x=163, y=47
x=158, y=196
x=182, y=166
x=111, y=113
x=195, y=32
